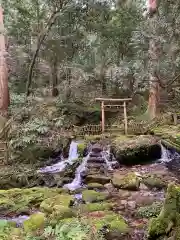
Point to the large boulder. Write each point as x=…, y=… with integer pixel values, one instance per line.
x=130, y=150
x=129, y=181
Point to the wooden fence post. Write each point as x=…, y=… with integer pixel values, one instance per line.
x=125, y=118
x=103, y=117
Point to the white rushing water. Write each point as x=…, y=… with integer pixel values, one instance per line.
x=76, y=183
x=166, y=155
x=61, y=165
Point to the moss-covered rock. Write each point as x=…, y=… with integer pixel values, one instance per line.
x=131, y=150
x=95, y=185
x=153, y=181
x=51, y=204
x=90, y=196
x=129, y=181
x=36, y=221
x=96, y=178
x=168, y=217
x=61, y=212
x=21, y=201
x=112, y=221
x=93, y=207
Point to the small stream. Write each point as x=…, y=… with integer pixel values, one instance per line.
x=167, y=157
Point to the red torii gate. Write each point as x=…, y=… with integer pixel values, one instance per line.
x=104, y=106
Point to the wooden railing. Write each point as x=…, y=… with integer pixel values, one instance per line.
x=3, y=153
x=96, y=129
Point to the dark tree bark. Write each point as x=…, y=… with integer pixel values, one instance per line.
x=41, y=38
x=4, y=92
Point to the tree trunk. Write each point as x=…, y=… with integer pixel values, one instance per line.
x=54, y=74
x=4, y=92
x=41, y=38
x=154, y=55
x=153, y=97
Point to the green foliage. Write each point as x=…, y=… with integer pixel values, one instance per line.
x=150, y=211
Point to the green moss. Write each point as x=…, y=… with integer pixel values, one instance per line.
x=90, y=196
x=129, y=181
x=150, y=211
x=92, y=207
x=51, y=204
x=96, y=178
x=113, y=221
x=168, y=215
x=61, y=212
x=95, y=185
x=36, y=221
x=153, y=181
x=81, y=148
x=21, y=200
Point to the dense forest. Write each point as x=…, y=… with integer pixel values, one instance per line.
x=56, y=58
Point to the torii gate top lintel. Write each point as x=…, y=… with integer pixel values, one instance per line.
x=124, y=100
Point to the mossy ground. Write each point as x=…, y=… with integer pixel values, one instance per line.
x=19, y=201
x=114, y=222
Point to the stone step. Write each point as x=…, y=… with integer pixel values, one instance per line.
x=95, y=154
x=96, y=160
x=97, y=148
x=96, y=165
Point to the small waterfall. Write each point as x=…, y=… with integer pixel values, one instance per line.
x=166, y=156
x=77, y=182
x=73, y=151
x=61, y=165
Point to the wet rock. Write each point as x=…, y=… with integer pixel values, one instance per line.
x=96, y=160
x=132, y=204
x=109, y=187
x=35, y=222
x=98, y=178
x=153, y=181
x=129, y=181
x=144, y=200
x=143, y=187
x=124, y=194
x=90, y=196
x=95, y=155
x=124, y=202
x=95, y=186
x=96, y=148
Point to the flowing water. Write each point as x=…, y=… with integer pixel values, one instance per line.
x=168, y=156
x=61, y=165
x=77, y=182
